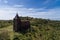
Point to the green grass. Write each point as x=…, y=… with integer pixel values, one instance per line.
x=41, y=29
x=37, y=33
x=9, y=29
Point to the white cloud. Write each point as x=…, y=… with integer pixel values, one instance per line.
x=12, y=10
x=8, y=12
x=18, y=5
x=47, y=1
x=5, y=1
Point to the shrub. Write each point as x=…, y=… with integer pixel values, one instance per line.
x=4, y=35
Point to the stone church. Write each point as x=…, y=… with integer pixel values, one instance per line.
x=20, y=25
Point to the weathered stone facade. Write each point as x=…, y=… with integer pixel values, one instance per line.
x=20, y=25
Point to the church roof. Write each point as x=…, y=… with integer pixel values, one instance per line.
x=16, y=17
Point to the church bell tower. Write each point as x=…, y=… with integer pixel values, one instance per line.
x=17, y=23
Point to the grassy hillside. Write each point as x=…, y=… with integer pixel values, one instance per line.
x=41, y=29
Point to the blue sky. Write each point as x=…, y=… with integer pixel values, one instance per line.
x=47, y=9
